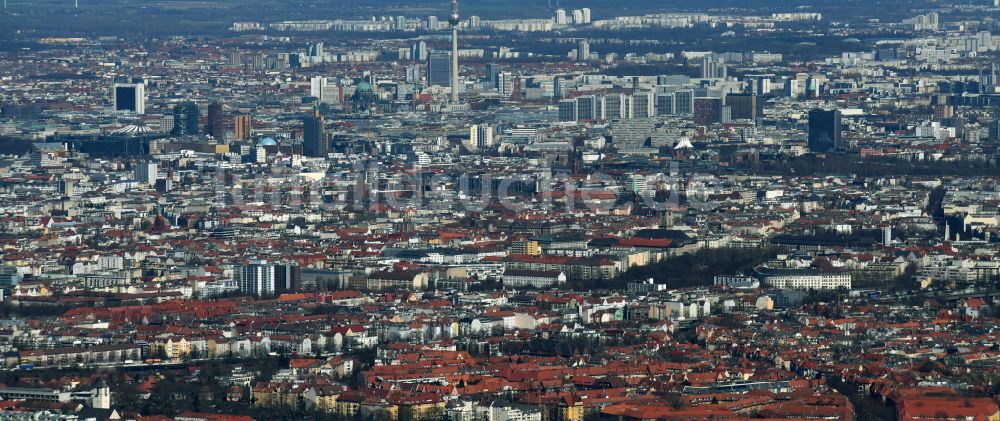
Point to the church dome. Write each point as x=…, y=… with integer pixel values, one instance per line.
x=364, y=87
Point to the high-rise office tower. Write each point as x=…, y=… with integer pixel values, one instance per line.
x=665, y=104
x=257, y=155
x=642, y=105
x=585, y=107
x=438, y=68
x=67, y=186
x=760, y=85
x=615, y=107
x=993, y=132
x=130, y=98
x=793, y=88
x=418, y=51
x=242, y=125
x=712, y=69
x=287, y=277
x=567, y=110
x=453, y=21
x=216, y=126
x=10, y=276
x=585, y=12
x=707, y=111
x=726, y=116
x=824, y=130
x=235, y=59
x=943, y=112
x=492, y=75
x=413, y=74
x=316, y=87
x=314, y=135
x=480, y=136
x=505, y=84
x=146, y=172
x=560, y=17
x=186, y=119
x=684, y=102
x=583, y=51
x=167, y=123
x=814, y=87
x=432, y=23
x=599, y=114
x=316, y=50
x=578, y=17
x=257, y=278
x=745, y=106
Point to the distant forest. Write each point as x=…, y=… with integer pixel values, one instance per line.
x=688, y=270
x=838, y=164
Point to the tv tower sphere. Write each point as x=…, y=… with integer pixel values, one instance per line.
x=453, y=18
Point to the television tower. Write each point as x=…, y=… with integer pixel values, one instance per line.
x=453, y=21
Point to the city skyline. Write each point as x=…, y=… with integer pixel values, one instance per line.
x=532, y=210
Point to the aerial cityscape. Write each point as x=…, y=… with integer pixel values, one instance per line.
x=499, y=210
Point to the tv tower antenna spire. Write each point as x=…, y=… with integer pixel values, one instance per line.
x=453, y=21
